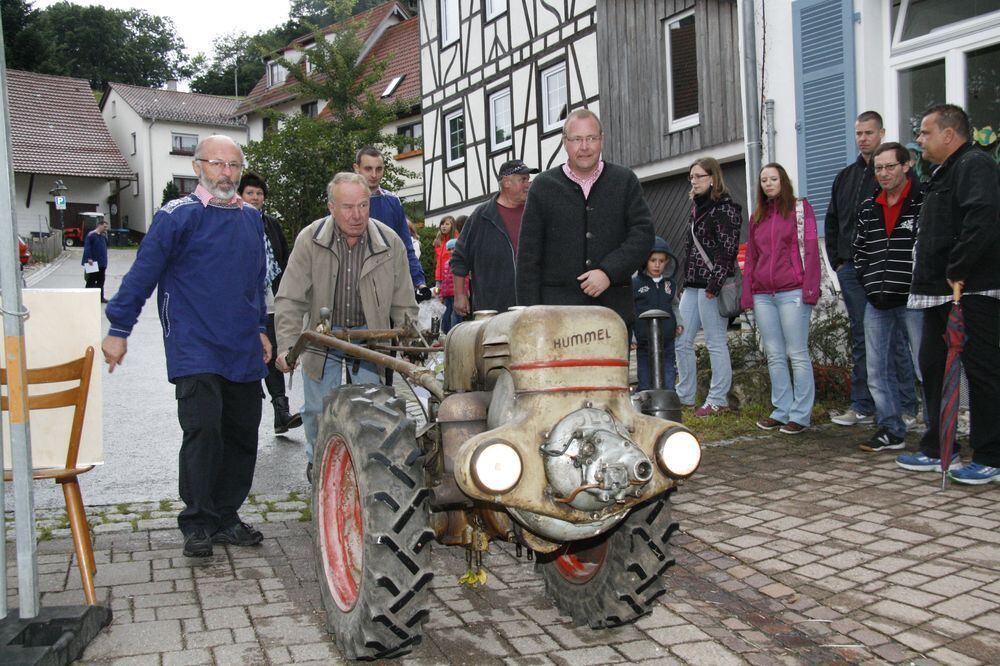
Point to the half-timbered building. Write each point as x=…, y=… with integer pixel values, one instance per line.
x=498, y=78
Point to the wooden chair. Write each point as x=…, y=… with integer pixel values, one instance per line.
x=77, y=370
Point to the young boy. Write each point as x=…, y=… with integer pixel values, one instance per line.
x=654, y=288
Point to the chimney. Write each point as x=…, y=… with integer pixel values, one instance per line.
x=172, y=84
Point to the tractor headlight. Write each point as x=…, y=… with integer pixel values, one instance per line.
x=678, y=453
x=496, y=467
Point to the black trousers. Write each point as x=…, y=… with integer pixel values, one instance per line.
x=95, y=281
x=219, y=450
x=981, y=360
x=275, y=380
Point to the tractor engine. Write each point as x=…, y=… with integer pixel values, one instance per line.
x=538, y=424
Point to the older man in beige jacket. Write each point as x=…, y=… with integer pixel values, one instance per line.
x=357, y=267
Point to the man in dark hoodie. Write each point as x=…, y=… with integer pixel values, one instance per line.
x=883, y=261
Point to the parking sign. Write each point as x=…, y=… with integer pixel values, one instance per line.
x=60, y=203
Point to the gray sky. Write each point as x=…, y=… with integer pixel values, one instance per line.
x=201, y=21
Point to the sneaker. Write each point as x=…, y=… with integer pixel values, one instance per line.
x=918, y=462
x=851, y=417
x=709, y=409
x=975, y=474
x=197, y=544
x=910, y=422
x=239, y=534
x=792, y=428
x=769, y=423
x=883, y=440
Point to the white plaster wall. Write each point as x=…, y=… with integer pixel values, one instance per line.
x=121, y=121
x=36, y=217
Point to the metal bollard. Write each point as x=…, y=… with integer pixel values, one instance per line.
x=658, y=401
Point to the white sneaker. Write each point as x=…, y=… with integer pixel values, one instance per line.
x=851, y=417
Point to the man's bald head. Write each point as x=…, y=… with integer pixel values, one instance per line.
x=218, y=161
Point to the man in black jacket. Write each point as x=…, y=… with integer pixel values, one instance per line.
x=253, y=190
x=487, y=247
x=586, y=227
x=883, y=260
x=958, y=248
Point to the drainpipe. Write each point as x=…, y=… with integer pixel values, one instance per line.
x=751, y=94
x=771, y=132
x=147, y=196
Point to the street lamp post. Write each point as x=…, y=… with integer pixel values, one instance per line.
x=59, y=189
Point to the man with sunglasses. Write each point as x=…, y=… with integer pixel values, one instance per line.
x=204, y=254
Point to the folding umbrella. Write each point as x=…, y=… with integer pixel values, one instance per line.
x=954, y=336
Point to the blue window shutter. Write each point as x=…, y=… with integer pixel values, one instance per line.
x=823, y=38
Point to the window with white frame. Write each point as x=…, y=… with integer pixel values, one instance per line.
x=186, y=184
x=495, y=8
x=134, y=146
x=276, y=73
x=449, y=16
x=183, y=144
x=924, y=20
x=501, y=126
x=412, y=134
x=945, y=51
x=454, y=138
x=553, y=96
x=682, y=71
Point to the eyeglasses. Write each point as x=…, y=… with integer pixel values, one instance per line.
x=577, y=140
x=221, y=164
x=886, y=167
x=698, y=176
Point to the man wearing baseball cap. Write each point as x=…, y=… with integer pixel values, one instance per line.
x=487, y=248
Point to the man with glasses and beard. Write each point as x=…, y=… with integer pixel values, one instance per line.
x=205, y=256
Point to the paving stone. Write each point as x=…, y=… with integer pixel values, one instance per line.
x=288, y=630
x=963, y=607
x=909, y=596
x=230, y=593
x=670, y=636
x=540, y=644
x=226, y=618
x=135, y=639
x=187, y=658
x=177, y=612
x=706, y=652
x=601, y=654
x=245, y=654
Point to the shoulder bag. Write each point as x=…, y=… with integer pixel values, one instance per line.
x=729, y=296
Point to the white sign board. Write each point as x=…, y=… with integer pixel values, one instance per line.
x=62, y=324
x=60, y=203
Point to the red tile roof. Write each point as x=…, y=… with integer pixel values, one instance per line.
x=400, y=48
x=57, y=129
x=262, y=96
x=179, y=106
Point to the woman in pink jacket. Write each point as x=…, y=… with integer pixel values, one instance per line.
x=781, y=284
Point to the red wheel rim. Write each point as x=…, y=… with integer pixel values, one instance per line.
x=580, y=564
x=339, y=523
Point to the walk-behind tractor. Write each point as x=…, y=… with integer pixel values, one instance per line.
x=531, y=438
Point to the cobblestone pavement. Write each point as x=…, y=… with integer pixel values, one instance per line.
x=791, y=551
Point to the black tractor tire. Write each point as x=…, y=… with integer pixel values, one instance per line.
x=615, y=578
x=372, y=525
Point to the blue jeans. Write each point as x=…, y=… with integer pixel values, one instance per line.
x=698, y=311
x=668, y=362
x=783, y=322
x=317, y=391
x=887, y=378
x=448, y=318
x=855, y=301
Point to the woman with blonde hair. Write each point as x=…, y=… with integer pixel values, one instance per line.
x=713, y=241
x=781, y=279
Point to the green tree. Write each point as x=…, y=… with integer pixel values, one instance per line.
x=235, y=67
x=299, y=156
x=102, y=45
x=24, y=46
x=170, y=192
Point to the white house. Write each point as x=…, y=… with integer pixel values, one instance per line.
x=498, y=79
x=57, y=134
x=826, y=61
x=157, y=130
x=387, y=32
